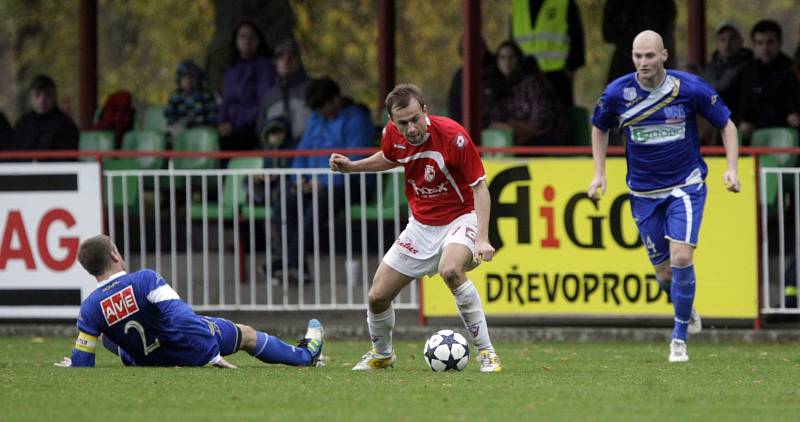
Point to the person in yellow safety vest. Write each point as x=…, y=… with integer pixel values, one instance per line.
x=551, y=32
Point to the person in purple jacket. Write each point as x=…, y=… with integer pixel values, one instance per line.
x=248, y=78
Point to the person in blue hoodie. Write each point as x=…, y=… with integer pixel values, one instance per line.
x=336, y=122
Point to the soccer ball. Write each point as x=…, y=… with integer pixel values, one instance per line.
x=446, y=350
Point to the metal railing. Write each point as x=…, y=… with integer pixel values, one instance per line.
x=208, y=234
x=779, y=201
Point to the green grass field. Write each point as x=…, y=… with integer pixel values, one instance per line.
x=565, y=381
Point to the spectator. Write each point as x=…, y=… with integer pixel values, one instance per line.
x=797, y=62
x=336, y=123
x=45, y=127
x=246, y=82
x=769, y=93
x=454, y=100
x=552, y=32
x=524, y=103
x=116, y=115
x=726, y=64
x=6, y=133
x=284, y=110
x=191, y=104
x=623, y=19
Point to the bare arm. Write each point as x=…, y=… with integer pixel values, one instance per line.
x=599, y=151
x=483, y=249
x=731, y=142
x=375, y=162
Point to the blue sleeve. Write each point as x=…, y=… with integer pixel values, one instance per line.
x=359, y=132
x=161, y=294
x=85, y=345
x=710, y=105
x=81, y=359
x=306, y=141
x=604, y=117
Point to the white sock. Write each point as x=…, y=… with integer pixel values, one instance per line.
x=469, y=305
x=380, y=330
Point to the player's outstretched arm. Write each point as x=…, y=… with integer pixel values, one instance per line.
x=82, y=353
x=599, y=151
x=375, y=162
x=484, y=251
x=731, y=142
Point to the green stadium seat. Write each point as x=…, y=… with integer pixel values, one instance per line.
x=231, y=182
x=195, y=139
x=497, y=138
x=100, y=140
x=579, y=129
x=153, y=119
x=125, y=194
x=776, y=137
x=146, y=140
x=387, y=209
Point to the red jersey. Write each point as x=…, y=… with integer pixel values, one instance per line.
x=439, y=173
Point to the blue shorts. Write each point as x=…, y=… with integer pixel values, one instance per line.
x=228, y=335
x=675, y=216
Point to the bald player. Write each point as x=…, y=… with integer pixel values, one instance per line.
x=656, y=110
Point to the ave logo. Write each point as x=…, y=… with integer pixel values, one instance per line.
x=119, y=306
x=12, y=228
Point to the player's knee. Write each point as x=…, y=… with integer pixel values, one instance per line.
x=681, y=259
x=248, y=336
x=664, y=274
x=452, y=275
x=378, y=302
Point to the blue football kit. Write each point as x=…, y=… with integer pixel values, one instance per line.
x=144, y=321
x=666, y=172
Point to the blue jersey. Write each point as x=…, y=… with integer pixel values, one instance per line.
x=144, y=316
x=660, y=127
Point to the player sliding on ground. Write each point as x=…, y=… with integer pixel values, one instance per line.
x=140, y=318
x=448, y=228
x=656, y=109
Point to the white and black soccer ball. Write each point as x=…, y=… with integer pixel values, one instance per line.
x=446, y=350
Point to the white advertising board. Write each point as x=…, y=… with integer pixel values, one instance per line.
x=46, y=210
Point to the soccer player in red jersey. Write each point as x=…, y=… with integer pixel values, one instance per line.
x=448, y=229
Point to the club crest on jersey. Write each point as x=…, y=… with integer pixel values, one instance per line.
x=119, y=306
x=460, y=142
x=430, y=173
x=674, y=114
x=629, y=94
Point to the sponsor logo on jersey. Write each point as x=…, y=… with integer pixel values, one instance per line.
x=406, y=244
x=430, y=173
x=399, y=146
x=629, y=94
x=657, y=134
x=119, y=306
x=460, y=142
x=714, y=99
x=427, y=192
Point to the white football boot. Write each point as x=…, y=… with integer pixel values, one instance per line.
x=373, y=360
x=695, y=323
x=677, y=351
x=489, y=361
